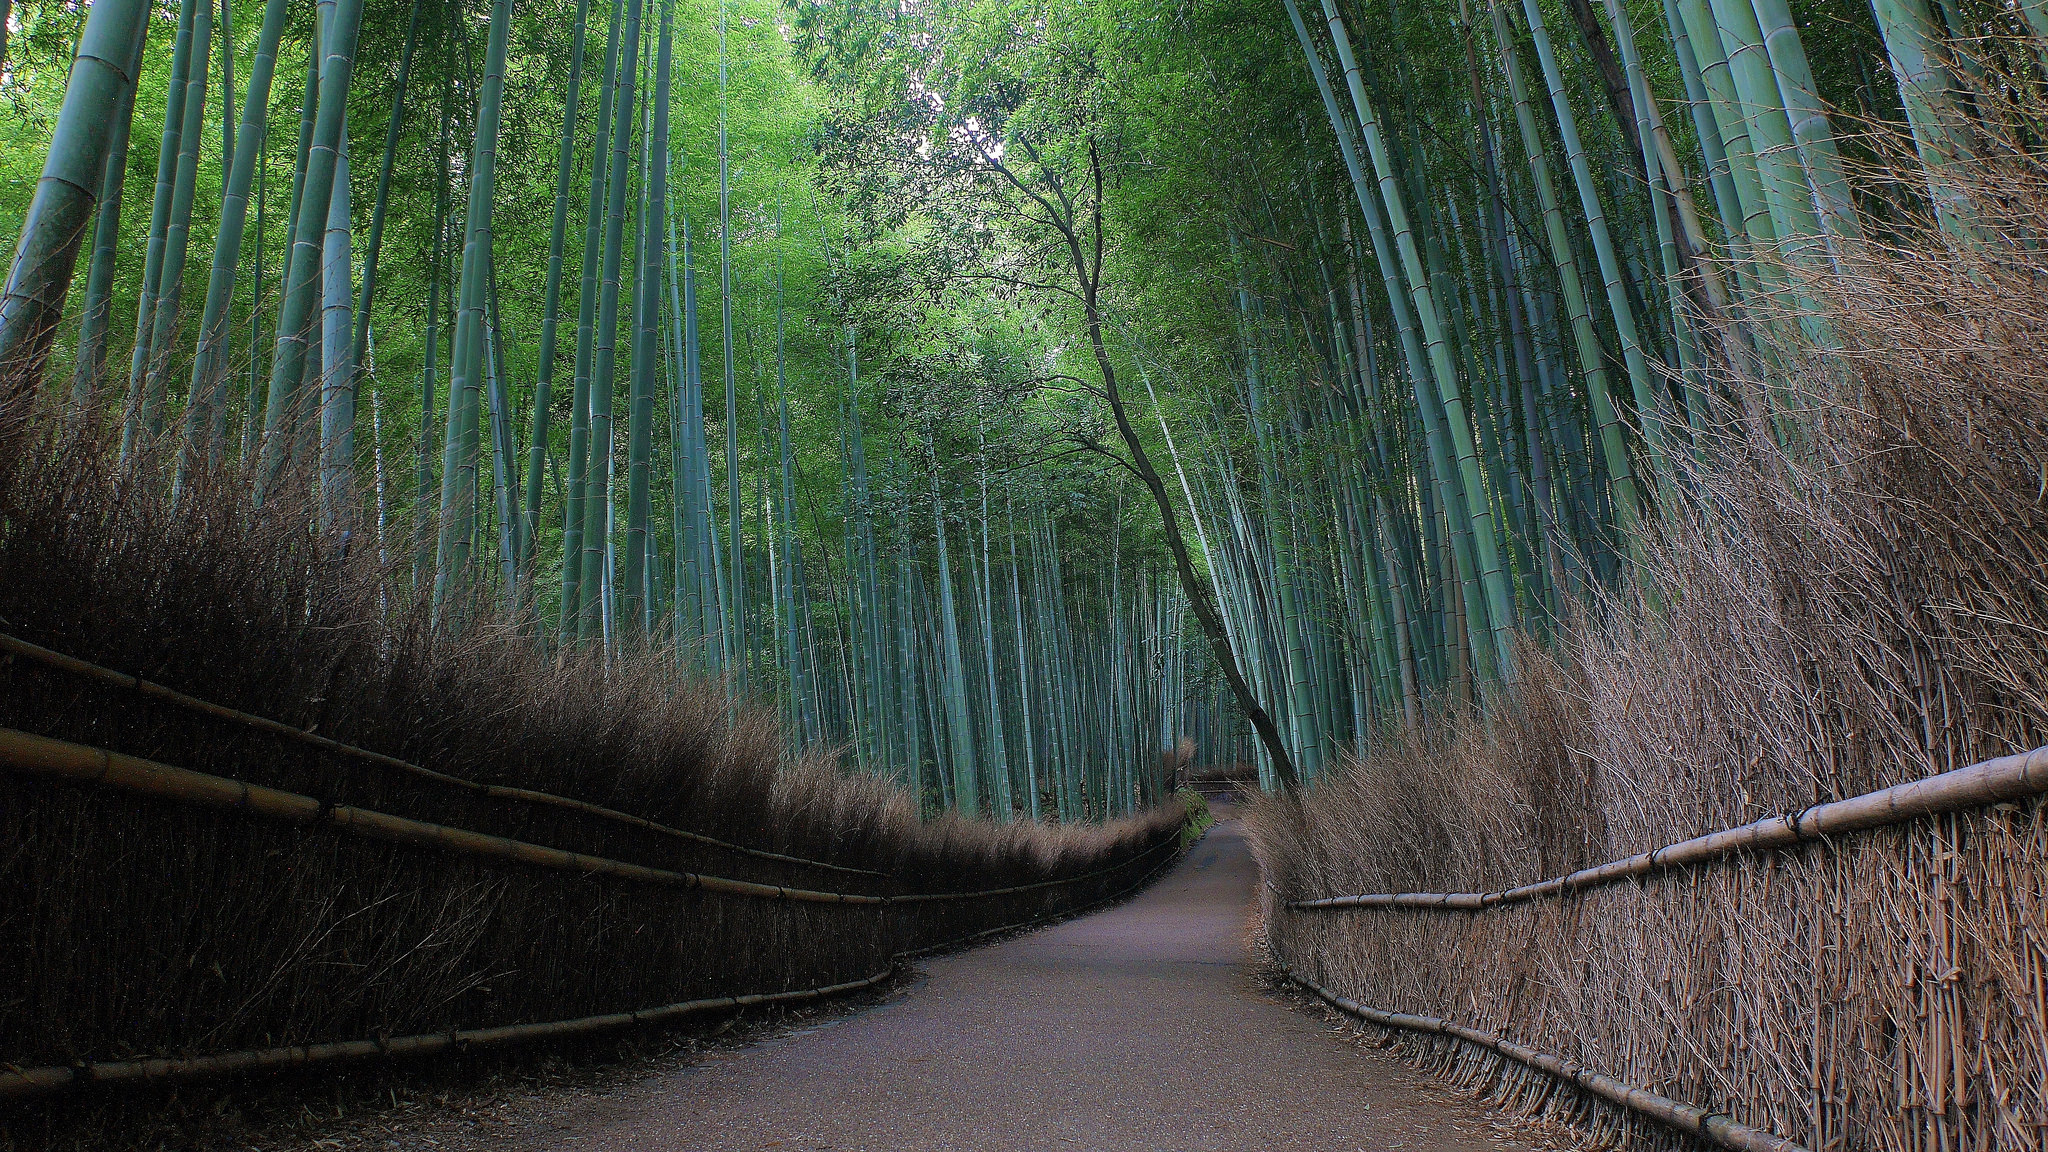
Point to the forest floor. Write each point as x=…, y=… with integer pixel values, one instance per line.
x=1144, y=1027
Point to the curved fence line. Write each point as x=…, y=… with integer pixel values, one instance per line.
x=1712, y=1126
x=55, y=1078
x=43, y=1081
x=2006, y=779
x=77, y=763
x=15, y=646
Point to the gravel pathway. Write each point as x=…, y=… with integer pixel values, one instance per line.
x=1137, y=1028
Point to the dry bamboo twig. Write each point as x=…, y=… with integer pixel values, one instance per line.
x=1999, y=781
x=15, y=646
x=79, y=764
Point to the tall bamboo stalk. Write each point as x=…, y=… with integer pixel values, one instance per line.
x=102, y=79
x=459, y=448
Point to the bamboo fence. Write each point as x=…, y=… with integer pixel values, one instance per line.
x=28, y=754
x=1570, y=942
x=55, y=761
x=1711, y=1126
x=1999, y=781
x=16, y=1083
x=15, y=646
x=19, y=1083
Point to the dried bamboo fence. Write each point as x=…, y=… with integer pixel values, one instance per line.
x=2001, y=783
x=308, y=900
x=59, y=761
x=27, y=1082
x=15, y=646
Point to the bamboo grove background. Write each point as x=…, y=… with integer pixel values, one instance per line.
x=899, y=580
x=1575, y=426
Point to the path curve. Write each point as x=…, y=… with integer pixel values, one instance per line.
x=1137, y=1028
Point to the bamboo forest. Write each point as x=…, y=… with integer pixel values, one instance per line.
x=1321, y=574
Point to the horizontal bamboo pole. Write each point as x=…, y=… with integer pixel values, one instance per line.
x=15, y=1083
x=78, y=764
x=1043, y=917
x=1999, y=781
x=15, y=646
x=1711, y=1126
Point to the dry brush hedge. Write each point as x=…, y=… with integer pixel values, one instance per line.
x=136, y=926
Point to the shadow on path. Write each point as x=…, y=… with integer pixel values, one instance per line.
x=1137, y=1028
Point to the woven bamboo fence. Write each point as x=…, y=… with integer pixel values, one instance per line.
x=1958, y=856
x=17, y=647
x=46, y=760
x=309, y=900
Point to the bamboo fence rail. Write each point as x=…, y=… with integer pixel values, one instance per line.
x=2003, y=780
x=17, y=1083
x=1711, y=1126
x=28, y=754
x=15, y=646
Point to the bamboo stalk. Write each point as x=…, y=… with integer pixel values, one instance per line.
x=1999, y=781
x=99, y=91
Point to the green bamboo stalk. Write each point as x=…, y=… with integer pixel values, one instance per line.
x=736, y=612
x=206, y=411
x=1001, y=801
x=425, y=533
x=504, y=453
x=227, y=93
x=1564, y=261
x=551, y=295
x=1443, y=473
x=167, y=317
x=1031, y=798
x=647, y=306
x=1621, y=311
x=689, y=600
x=159, y=220
x=1810, y=128
x=1914, y=41
x=89, y=372
x=337, y=372
x=574, y=512
x=598, y=480
x=296, y=328
x=1753, y=211
x=459, y=462
x=1497, y=608
x=360, y=341
x=73, y=173
x=1784, y=181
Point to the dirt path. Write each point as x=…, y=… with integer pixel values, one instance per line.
x=1138, y=1028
